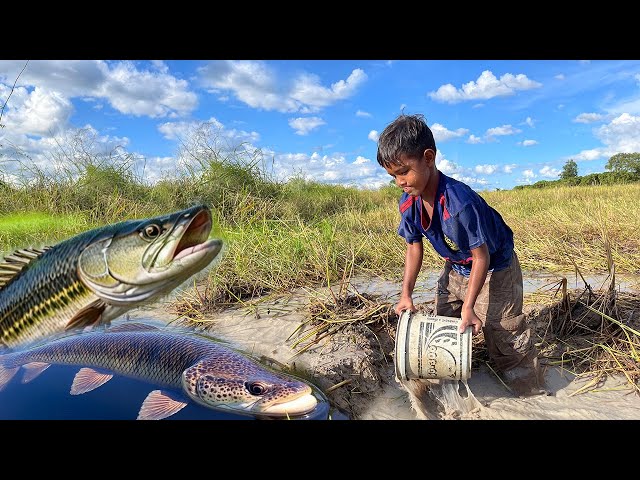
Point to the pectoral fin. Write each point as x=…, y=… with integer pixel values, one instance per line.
x=6, y=374
x=160, y=404
x=89, y=315
x=33, y=369
x=88, y=379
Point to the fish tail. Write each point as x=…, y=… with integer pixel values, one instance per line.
x=6, y=372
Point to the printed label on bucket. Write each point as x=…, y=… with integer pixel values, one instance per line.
x=430, y=346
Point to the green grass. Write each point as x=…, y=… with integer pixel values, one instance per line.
x=282, y=235
x=36, y=229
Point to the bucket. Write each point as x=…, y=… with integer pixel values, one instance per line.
x=430, y=346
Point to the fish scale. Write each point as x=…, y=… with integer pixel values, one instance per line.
x=100, y=274
x=204, y=370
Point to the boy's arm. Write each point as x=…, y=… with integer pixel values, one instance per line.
x=479, y=267
x=412, y=265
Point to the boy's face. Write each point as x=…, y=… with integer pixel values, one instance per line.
x=413, y=173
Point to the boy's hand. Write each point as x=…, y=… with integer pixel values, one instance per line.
x=405, y=303
x=470, y=319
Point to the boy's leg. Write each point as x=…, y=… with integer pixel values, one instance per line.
x=448, y=299
x=506, y=333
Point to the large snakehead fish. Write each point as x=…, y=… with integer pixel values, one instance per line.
x=193, y=366
x=100, y=274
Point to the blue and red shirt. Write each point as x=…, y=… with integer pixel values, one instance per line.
x=462, y=220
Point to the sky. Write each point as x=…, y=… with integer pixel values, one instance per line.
x=497, y=123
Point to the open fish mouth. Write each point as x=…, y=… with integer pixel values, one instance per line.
x=195, y=236
x=305, y=403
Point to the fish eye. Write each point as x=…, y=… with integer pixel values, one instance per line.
x=150, y=231
x=256, y=388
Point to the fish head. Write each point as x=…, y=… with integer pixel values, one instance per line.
x=236, y=383
x=136, y=260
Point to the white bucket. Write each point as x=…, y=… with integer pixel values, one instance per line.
x=430, y=346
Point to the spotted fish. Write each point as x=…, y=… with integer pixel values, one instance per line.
x=100, y=274
x=186, y=365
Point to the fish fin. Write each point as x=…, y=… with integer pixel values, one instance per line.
x=160, y=404
x=33, y=369
x=89, y=315
x=131, y=327
x=12, y=264
x=6, y=374
x=88, y=379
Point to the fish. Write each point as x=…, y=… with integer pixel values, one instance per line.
x=100, y=274
x=187, y=366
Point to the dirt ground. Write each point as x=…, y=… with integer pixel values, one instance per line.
x=355, y=368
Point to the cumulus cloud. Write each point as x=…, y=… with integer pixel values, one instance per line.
x=621, y=135
x=588, y=118
x=560, y=76
x=509, y=168
x=486, y=169
x=528, y=143
x=334, y=169
x=473, y=139
x=549, y=172
x=259, y=86
x=39, y=112
x=502, y=131
x=184, y=130
x=485, y=87
x=529, y=121
x=442, y=133
x=362, y=113
x=373, y=135
x=128, y=89
x=304, y=125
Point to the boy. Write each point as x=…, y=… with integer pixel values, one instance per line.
x=481, y=282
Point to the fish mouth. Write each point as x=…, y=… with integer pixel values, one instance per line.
x=194, y=239
x=301, y=405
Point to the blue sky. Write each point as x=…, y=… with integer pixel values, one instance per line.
x=497, y=123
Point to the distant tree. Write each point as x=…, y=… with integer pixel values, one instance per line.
x=624, y=162
x=570, y=170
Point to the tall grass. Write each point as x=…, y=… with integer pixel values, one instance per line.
x=286, y=234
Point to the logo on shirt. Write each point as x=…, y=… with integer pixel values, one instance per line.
x=450, y=243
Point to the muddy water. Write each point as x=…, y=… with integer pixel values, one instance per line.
x=267, y=330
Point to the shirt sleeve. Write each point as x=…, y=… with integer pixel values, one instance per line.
x=409, y=231
x=472, y=228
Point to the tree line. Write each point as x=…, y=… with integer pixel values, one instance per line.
x=621, y=168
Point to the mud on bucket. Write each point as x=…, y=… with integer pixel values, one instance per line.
x=430, y=346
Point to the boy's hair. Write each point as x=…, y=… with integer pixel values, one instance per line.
x=408, y=134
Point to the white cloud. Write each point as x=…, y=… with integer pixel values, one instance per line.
x=529, y=121
x=501, y=131
x=485, y=87
x=549, y=172
x=473, y=139
x=39, y=112
x=528, y=143
x=529, y=174
x=588, y=118
x=509, y=168
x=486, y=169
x=442, y=134
x=560, y=106
x=470, y=180
x=258, y=85
x=560, y=76
x=447, y=167
x=152, y=93
x=373, y=135
x=304, y=125
x=362, y=113
x=360, y=160
x=185, y=130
